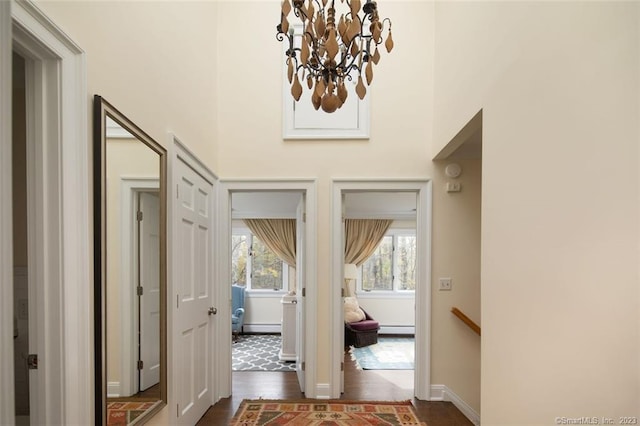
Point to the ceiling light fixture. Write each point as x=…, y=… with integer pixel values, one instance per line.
x=330, y=52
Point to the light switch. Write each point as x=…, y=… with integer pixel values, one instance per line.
x=445, y=284
x=454, y=187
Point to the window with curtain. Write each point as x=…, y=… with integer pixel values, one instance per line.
x=254, y=265
x=392, y=267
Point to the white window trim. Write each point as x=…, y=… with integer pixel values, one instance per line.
x=395, y=292
x=261, y=292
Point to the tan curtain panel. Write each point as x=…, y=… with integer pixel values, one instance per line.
x=362, y=237
x=277, y=234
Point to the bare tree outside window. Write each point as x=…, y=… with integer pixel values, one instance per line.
x=377, y=271
x=239, y=253
x=254, y=265
x=392, y=267
x=406, y=262
x=266, y=267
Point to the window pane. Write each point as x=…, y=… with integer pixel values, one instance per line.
x=266, y=268
x=239, y=253
x=377, y=271
x=406, y=260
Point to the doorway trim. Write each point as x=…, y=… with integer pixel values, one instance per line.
x=63, y=235
x=227, y=187
x=422, y=188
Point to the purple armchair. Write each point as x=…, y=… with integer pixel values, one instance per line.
x=361, y=333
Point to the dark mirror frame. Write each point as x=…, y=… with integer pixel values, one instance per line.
x=102, y=109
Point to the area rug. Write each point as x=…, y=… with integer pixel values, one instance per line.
x=259, y=352
x=128, y=412
x=389, y=353
x=325, y=413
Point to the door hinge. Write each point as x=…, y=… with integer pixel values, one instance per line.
x=304, y=292
x=139, y=216
x=32, y=361
x=304, y=365
x=177, y=410
x=177, y=301
x=139, y=290
x=140, y=364
x=342, y=366
x=304, y=217
x=342, y=292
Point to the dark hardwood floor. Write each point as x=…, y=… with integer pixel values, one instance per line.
x=359, y=385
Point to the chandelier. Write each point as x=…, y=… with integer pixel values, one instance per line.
x=331, y=52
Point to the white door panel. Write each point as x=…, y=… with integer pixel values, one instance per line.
x=194, y=298
x=149, y=234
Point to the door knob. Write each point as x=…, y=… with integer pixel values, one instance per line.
x=212, y=311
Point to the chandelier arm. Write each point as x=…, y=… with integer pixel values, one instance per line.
x=298, y=13
x=320, y=6
x=347, y=70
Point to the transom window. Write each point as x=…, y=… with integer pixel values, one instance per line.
x=254, y=265
x=392, y=267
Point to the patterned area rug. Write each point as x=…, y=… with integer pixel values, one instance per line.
x=259, y=352
x=390, y=353
x=127, y=412
x=325, y=413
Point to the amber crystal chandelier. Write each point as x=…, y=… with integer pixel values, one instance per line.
x=332, y=50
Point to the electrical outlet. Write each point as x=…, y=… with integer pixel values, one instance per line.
x=445, y=284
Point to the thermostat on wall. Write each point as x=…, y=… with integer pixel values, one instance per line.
x=453, y=170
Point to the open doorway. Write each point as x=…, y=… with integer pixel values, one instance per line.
x=380, y=278
x=370, y=194
x=263, y=285
x=287, y=309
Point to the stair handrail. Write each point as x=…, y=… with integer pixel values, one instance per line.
x=465, y=319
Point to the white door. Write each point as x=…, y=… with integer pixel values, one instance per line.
x=301, y=284
x=194, y=277
x=149, y=284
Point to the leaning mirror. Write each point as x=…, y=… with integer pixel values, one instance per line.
x=130, y=269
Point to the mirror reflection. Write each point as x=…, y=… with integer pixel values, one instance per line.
x=133, y=272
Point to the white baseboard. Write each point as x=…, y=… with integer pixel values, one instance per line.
x=262, y=328
x=323, y=391
x=443, y=393
x=397, y=329
x=113, y=389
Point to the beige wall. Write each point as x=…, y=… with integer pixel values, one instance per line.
x=455, y=350
x=155, y=61
x=558, y=85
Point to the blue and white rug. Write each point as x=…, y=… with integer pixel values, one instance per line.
x=259, y=352
x=390, y=353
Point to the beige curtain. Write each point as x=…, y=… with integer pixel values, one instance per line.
x=362, y=237
x=277, y=234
